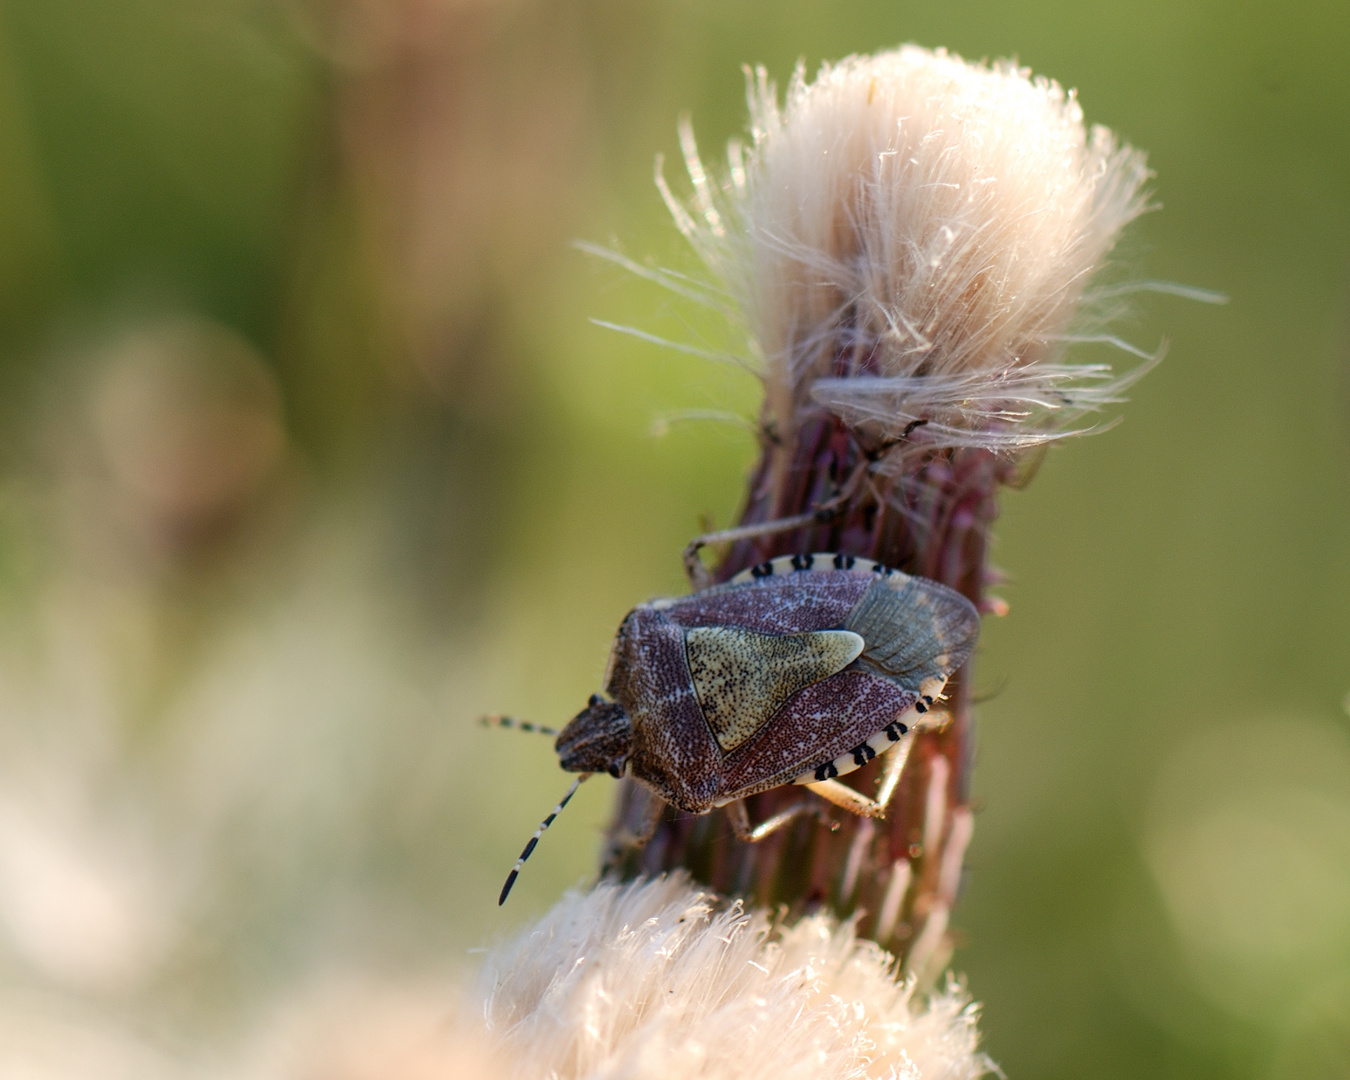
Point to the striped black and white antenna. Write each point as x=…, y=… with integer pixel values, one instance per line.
x=543, y=827
x=516, y=724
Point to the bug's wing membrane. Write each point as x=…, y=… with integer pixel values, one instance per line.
x=743, y=678
x=915, y=629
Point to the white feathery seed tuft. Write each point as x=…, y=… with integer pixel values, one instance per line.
x=907, y=238
x=654, y=980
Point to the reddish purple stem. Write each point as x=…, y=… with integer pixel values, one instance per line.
x=930, y=516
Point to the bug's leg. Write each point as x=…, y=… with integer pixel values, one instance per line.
x=497, y=720
x=700, y=578
x=740, y=819
x=855, y=802
x=627, y=839
x=895, y=765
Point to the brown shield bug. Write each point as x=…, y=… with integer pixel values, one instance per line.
x=796, y=671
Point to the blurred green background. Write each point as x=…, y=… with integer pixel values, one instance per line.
x=309, y=455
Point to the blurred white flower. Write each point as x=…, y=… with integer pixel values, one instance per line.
x=44, y=1037
x=656, y=979
x=76, y=903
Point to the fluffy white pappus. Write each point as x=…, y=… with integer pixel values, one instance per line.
x=654, y=980
x=907, y=239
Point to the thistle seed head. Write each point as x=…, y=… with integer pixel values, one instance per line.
x=906, y=240
x=657, y=979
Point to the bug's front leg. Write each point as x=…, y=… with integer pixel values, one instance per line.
x=699, y=576
x=628, y=839
x=740, y=819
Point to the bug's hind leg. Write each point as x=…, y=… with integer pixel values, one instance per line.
x=854, y=801
x=740, y=819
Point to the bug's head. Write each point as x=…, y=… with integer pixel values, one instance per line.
x=597, y=739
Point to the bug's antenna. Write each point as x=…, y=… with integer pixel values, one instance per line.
x=543, y=825
x=495, y=720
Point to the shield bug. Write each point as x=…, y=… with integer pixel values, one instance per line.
x=796, y=671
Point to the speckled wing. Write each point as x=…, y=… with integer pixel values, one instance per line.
x=817, y=724
x=743, y=678
x=780, y=605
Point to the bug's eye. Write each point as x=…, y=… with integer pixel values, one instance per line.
x=596, y=699
x=616, y=771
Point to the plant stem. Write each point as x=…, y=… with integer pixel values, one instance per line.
x=920, y=509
